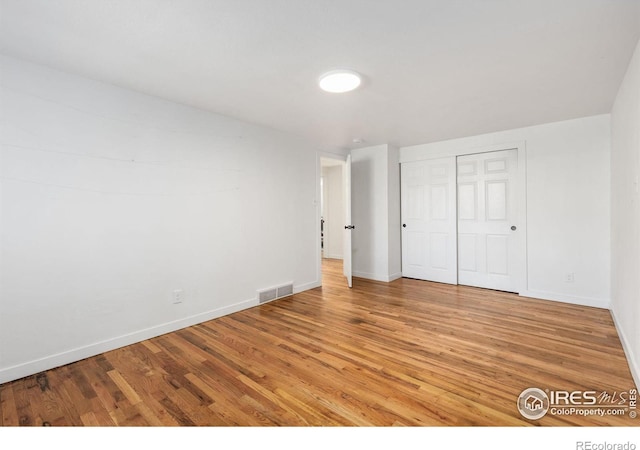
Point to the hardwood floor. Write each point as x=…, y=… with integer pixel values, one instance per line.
x=403, y=353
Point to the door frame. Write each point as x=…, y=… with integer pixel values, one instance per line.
x=521, y=238
x=320, y=155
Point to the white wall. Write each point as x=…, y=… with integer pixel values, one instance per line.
x=375, y=186
x=333, y=211
x=625, y=213
x=567, y=182
x=112, y=199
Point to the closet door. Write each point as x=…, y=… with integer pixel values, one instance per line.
x=487, y=220
x=428, y=209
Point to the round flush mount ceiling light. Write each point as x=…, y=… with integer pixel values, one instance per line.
x=339, y=81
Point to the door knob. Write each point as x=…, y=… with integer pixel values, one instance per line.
x=349, y=227
x=513, y=228
x=404, y=225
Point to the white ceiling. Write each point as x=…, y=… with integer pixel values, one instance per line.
x=435, y=69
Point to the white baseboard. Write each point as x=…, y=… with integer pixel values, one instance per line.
x=67, y=357
x=395, y=276
x=306, y=287
x=333, y=256
x=70, y=356
x=633, y=364
x=377, y=277
x=583, y=301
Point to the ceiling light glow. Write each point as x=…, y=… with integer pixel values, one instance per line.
x=339, y=81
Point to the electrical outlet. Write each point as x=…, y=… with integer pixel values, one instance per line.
x=570, y=277
x=178, y=296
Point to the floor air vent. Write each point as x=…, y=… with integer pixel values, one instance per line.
x=284, y=291
x=274, y=293
x=268, y=295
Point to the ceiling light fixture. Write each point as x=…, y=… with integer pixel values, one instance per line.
x=339, y=81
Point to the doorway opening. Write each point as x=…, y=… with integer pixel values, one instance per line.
x=334, y=209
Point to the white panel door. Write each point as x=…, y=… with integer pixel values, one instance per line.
x=428, y=208
x=346, y=261
x=487, y=220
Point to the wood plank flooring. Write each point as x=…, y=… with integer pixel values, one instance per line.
x=381, y=354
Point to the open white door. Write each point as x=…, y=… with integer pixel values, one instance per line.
x=347, y=269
